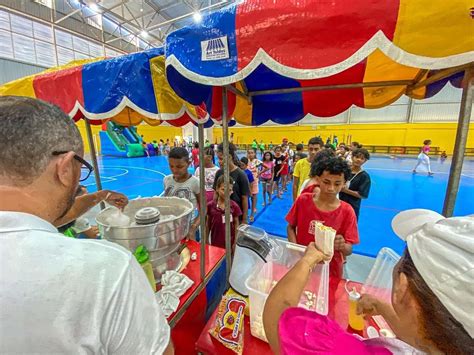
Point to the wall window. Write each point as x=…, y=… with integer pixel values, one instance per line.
x=35, y=42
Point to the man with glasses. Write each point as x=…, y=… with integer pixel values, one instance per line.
x=57, y=294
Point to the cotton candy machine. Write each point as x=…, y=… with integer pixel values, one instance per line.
x=158, y=223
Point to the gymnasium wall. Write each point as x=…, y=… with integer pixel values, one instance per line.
x=149, y=133
x=402, y=134
x=396, y=134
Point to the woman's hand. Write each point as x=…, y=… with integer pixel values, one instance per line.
x=116, y=199
x=314, y=256
x=368, y=305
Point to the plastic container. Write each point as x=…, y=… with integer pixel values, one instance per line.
x=379, y=281
x=356, y=321
x=261, y=282
x=253, y=247
x=143, y=258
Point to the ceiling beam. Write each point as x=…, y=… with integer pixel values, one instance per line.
x=121, y=21
x=68, y=15
x=159, y=11
x=133, y=16
x=182, y=17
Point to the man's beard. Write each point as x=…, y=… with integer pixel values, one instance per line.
x=69, y=202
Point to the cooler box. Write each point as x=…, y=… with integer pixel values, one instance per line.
x=261, y=282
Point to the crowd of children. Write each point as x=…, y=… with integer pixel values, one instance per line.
x=329, y=183
x=155, y=148
x=161, y=147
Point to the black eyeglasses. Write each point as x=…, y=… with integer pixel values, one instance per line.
x=86, y=167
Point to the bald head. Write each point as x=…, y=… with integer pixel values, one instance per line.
x=30, y=131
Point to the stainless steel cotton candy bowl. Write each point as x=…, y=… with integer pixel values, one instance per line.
x=161, y=236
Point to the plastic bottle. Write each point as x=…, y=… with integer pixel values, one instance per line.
x=356, y=321
x=142, y=256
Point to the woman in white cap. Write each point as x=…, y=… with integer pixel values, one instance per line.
x=432, y=296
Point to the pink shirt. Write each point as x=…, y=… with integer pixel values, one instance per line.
x=267, y=174
x=305, y=332
x=426, y=149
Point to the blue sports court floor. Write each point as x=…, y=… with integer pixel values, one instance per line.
x=394, y=188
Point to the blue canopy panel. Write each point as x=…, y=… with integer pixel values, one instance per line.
x=125, y=77
x=281, y=108
x=214, y=38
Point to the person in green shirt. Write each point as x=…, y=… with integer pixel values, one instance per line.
x=156, y=147
x=262, y=147
x=255, y=145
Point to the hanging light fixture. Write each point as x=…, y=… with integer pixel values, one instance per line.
x=197, y=17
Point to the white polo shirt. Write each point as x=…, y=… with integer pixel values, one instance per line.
x=61, y=295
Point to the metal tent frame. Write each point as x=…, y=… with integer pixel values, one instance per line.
x=459, y=148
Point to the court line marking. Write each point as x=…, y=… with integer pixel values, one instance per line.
x=411, y=171
x=381, y=208
x=114, y=177
x=139, y=168
x=126, y=171
x=108, y=178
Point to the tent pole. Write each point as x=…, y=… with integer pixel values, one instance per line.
x=202, y=200
x=90, y=140
x=442, y=74
x=460, y=144
x=331, y=87
x=225, y=141
x=237, y=92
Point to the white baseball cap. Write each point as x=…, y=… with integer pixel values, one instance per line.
x=442, y=250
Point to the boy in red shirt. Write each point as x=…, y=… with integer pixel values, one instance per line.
x=325, y=207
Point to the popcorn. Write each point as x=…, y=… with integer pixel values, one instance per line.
x=324, y=238
x=257, y=329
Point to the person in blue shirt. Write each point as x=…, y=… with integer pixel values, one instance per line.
x=244, y=165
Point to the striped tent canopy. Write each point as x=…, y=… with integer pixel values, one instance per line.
x=128, y=90
x=323, y=56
